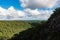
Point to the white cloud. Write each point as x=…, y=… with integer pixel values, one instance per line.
x=15, y=13
x=3, y=11
x=32, y=12
x=11, y=13
x=27, y=14
x=38, y=3
x=41, y=14
x=21, y=13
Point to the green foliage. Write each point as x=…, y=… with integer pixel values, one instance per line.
x=31, y=33
x=9, y=28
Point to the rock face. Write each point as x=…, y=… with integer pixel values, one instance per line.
x=54, y=21
x=53, y=25
x=49, y=31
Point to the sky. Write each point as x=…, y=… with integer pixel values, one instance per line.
x=27, y=9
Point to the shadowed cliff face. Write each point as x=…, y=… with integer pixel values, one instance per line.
x=54, y=21
x=47, y=31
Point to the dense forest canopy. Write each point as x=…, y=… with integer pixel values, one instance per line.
x=9, y=28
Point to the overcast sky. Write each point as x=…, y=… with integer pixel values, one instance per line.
x=27, y=9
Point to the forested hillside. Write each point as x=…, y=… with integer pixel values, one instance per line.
x=9, y=28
